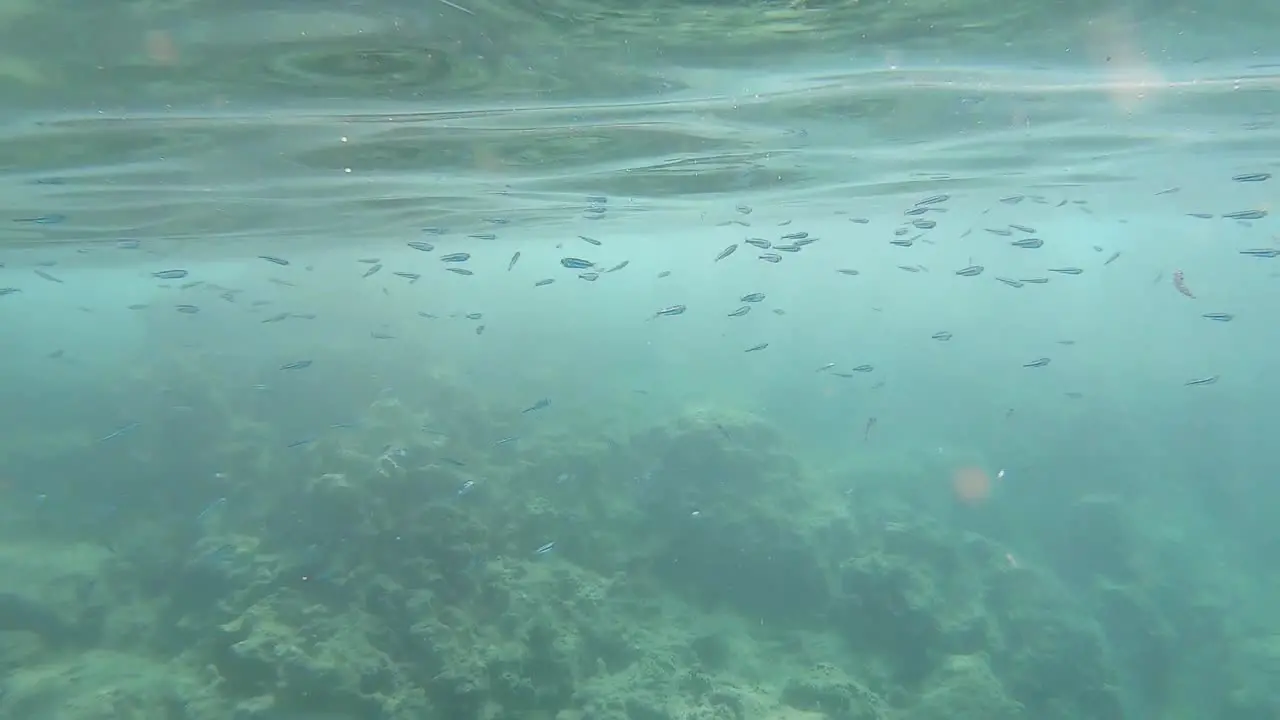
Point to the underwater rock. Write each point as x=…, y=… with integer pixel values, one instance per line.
x=833, y=694
x=1253, y=692
x=891, y=606
x=1097, y=540
x=103, y=685
x=964, y=687
x=713, y=650
x=52, y=591
x=309, y=658
x=18, y=613
x=728, y=517
x=1041, y=631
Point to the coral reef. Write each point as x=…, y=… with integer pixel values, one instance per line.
x=693, y=570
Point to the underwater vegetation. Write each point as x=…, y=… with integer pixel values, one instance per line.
x=690, y=569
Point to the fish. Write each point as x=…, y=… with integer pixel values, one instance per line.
x=544, y=282
x=770, y=257
x=539, y=405
x=372, y=270
x=1067, y=270
x=421, y=245
x=740, y=311
x=455, y=257
x=1029, y=243
x=1252, y=177
x=574, y=263
x=1246, y=215
x=671, y=311
x=126, y=428
x=274, y=259
x=942, y=336
x=216, y=504
x=726, y=252
x=1202, y=381
x=752, y=297
x=591, y=240
x=514, y=259
x=170, y=274
x=460, y=271
x=1037, y=363
x=756, y=348
x=848, y=271
x=296, y=365
x=971, y=271
x=53, y=219
x=866, y=431
x=1180, y=284
x=1218, y=316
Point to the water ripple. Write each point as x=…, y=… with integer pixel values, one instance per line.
x=318, y=174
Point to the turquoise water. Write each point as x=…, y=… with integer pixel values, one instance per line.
x=511, y=362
